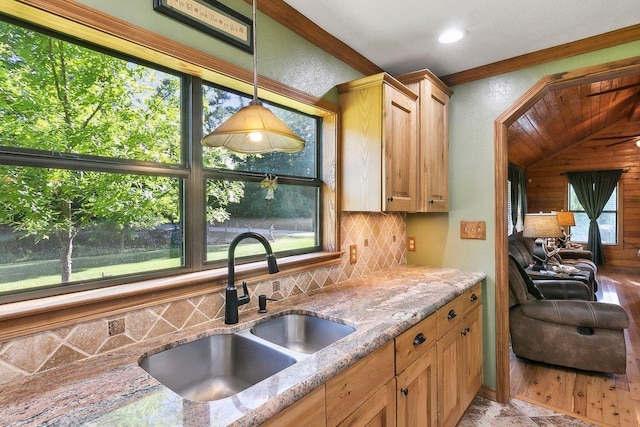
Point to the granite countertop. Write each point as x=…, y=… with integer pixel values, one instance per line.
x=113, y=390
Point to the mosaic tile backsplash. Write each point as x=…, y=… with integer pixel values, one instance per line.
x=381, y=244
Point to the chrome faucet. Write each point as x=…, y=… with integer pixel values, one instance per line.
x=232, y=301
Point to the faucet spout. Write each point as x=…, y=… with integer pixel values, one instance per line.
x=232, y=301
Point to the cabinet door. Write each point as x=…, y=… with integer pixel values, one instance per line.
x=400, y=152
x=472, y=356
x=449, y=349
x=377, y=411
x=308, y=411
x=436, y=158
x=352, y=387
x=416, y=392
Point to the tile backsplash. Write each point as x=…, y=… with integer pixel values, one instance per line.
x=380, y=239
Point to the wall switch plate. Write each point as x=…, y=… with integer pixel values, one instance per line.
x=473, y=230
x=353, y=254
x=411, y=244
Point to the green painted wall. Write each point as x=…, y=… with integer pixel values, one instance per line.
x=287, y=58
x=474, y=108
x=282, y=55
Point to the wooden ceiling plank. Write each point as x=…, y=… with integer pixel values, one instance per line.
x=545, y=125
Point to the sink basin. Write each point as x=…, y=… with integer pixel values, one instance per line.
x=301, y=333
x=215, y=367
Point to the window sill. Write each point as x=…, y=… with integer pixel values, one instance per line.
x=27, y=317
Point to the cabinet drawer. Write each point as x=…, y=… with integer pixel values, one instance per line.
x=449, y=316
x=472, y=298
x=352, y=387
x=414, y=342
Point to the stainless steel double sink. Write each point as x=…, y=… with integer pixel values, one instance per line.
x=222, y=365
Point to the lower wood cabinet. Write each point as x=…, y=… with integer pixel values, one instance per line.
x=308, y=411
x=427, y=376
x=353, y=388
x=459, y=359
x=416, y=392
x=379, y=410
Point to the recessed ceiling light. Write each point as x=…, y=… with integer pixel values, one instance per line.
x=452, y=36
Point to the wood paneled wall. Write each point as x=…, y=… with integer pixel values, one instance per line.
x=547, y=189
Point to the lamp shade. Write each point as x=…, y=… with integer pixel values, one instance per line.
x=542, y=225
x=566, y=219
x=254, y=129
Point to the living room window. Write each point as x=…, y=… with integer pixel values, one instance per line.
x=607, y=221
x=103, y=179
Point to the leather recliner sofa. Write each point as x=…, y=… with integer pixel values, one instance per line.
x=522, y=249
x=569, y=332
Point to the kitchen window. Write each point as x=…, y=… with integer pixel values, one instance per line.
x=103, y=180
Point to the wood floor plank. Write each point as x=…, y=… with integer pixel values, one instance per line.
x=628, y=417
x=604, y=399
x=580, y=389
x=594, y=399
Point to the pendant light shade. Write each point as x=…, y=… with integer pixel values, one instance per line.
x=254, y=129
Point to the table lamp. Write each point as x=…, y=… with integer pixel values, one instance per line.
x=565, y=219
x=542, y=226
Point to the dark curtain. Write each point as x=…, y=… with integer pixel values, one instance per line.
x=518, y=178
x=593, y=189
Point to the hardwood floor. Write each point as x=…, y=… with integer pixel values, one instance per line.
x=602, y=399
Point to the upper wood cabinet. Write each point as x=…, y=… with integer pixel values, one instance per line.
x=378, y=140
x=433, y=140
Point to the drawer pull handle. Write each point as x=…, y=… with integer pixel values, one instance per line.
x=419, y=339
x=390, y=199
x=452, y=315
x=404, y=391
x=474, y=297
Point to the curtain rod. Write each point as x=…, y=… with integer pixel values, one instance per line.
x=597, y=170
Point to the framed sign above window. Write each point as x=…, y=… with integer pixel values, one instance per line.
x=211, y=17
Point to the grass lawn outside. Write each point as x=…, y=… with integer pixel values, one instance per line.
x=112, y=265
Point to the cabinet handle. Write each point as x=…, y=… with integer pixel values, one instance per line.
x=465, y=331
x=474, y=297
x=390, y=199
x=404, y=391
x=452, y=315
x=419, y=339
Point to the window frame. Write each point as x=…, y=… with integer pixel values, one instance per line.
x=113, y=34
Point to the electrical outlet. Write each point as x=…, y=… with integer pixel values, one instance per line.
x=353, y=254
x=411, y=244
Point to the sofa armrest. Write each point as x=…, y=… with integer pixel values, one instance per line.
x=564, y=289
x=575, y=254
x=577, y=313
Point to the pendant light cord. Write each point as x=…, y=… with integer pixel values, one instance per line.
x=255, y=53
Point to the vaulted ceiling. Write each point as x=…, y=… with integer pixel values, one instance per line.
x=603, y=113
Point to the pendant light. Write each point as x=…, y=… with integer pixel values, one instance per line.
x=254, y=129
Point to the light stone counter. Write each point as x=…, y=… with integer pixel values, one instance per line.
x=112, y=390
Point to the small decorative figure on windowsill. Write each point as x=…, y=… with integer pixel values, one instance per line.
x=270, y=182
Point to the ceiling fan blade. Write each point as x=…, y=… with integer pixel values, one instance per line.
x=601, y=138
x=615, y=89
x=621, y=142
